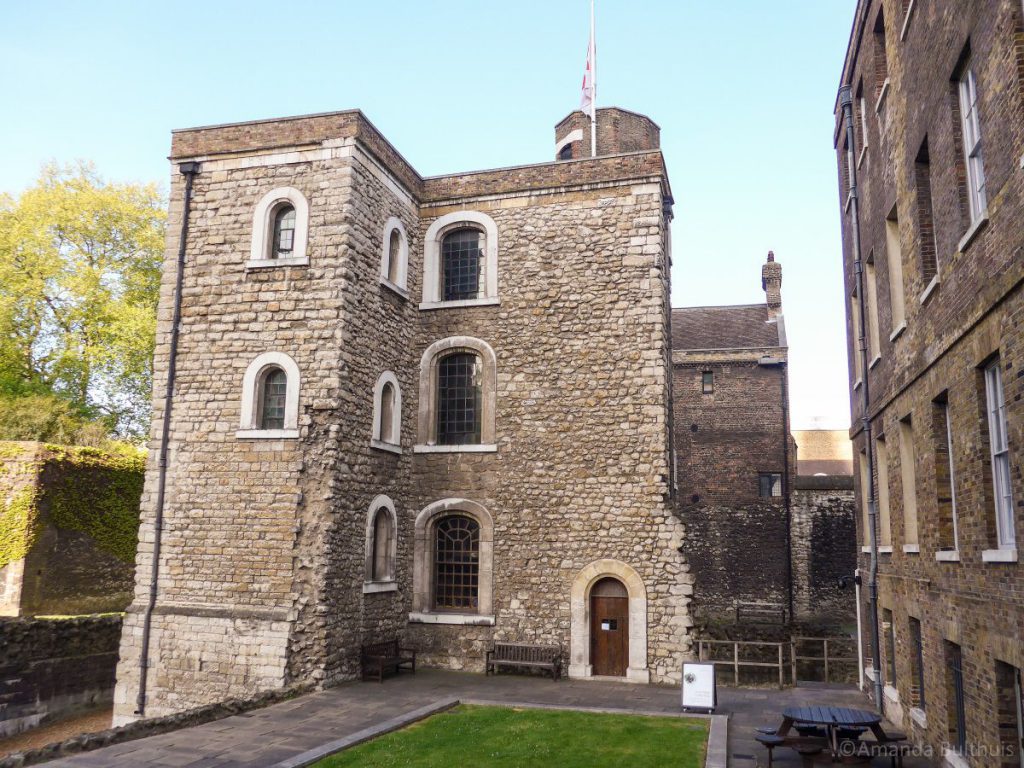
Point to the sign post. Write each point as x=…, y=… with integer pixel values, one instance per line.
x=700, y=690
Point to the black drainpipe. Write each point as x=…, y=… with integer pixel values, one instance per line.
x=786, y=491
x=846, y=101
x=189, y=171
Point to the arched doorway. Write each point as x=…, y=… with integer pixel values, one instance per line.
x=609, y=627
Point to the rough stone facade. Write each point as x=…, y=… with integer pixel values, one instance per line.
x=963, y=595
x=68, y=528
x=262, y=578
x=51, y=667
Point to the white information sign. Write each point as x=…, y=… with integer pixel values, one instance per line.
x=699, y=690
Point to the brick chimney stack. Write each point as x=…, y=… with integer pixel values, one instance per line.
x=771, y=282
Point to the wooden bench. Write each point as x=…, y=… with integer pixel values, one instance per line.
x=384, y=656
x=544, y=657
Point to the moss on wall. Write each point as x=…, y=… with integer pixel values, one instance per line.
x=96, y=493
x=18, y=525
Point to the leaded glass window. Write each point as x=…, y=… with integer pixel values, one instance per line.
x=462, y=254
x=459, y=394
x=284, y=233
x=272, y=399
x=770, y=485
x=456, y=563
x=394, y=250
x=382, y=529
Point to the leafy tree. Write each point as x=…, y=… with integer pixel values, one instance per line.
x=79, y=280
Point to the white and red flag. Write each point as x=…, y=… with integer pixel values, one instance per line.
x=587, y=97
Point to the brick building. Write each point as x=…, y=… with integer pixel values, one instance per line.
x=431, y=407
x=937, y=92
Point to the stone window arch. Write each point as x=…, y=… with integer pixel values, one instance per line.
x=387, y=414
x=381, y=546
x=270, y=398
x=453, y=564
x=465, y=239
x=579, y=606
x=464, y=370
x=394, y=259
x=280, y=230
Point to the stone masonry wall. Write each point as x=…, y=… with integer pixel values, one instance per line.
x=823, y=525
x=49, y=668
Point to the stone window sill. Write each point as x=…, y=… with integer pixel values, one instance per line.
x=1008, y=555
x=873, y=363
x=267, y=434
x=973, y=232
x=948, y=555
x=920, y=717
x=371, y=587
x=270, y=263
x=929, y=290
x=488, y=301
x=849, y=202
x=891, y=694
x=955, y=759
x=866, y=550
x=911, y=549
x=380, y=445
x=898, y=331
x=481, y=448
x=860, y=157
x=881, y=96
x=885, y=550
x=470, y=619
x=395, y=288
x=869, y=673
x=857, y=384
x=906, y=20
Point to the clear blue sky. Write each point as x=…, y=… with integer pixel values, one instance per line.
x=743, y=92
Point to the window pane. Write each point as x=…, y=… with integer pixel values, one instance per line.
x=456, y=563
x=284, y=232
x=461, y=253
x=275, y=386
x=459, y=392
x=387, y=412
x=394, y=247
x=707, y=382
x=381, y=546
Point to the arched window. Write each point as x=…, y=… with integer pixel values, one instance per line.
x=456, y=564
x=461, y=271
x=459, y=395
x=381, y=546
x=458, y=377
x=394, y=262
x=565, y=153
x=270, y=398
x=283, y=242
x=453, y=564
x=387, y=414
x=273, y=393
x=460, y=261
x=280, y=230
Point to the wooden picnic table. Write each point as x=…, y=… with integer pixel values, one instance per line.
x=833, y=719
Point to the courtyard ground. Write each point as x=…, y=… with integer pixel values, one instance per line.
x=279, y=734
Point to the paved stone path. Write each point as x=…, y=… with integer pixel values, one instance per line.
x=264, y=737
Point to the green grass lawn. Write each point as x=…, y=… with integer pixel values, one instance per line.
x=500, y=736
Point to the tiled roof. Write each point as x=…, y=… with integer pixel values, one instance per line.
x=733, y=327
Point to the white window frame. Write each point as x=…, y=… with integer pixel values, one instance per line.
x=865, y=141
x=400, y=286
x=908, y=477
x=894, y=262
x=952, y=475
x=999, y=453
x=249, y=427
x=970, y=125
x=432, y=259
x=376, y=440
x=384, y=504
x=260, y=256
x=882, y=496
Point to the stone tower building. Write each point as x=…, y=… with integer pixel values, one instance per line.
x=430, y=407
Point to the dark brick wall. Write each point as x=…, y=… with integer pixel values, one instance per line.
x=976, y=310
x=48, y=667
x=824, y=524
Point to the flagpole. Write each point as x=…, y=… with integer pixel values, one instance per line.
x=593, y=84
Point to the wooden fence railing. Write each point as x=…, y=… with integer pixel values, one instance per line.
x=704, y=647
x=776, y=651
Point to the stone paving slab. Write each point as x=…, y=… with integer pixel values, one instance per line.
x=284, y=731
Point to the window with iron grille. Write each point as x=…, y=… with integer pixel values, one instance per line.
x=272, y=399
x=381, y=569
x=459, y=394
x=462, y=275
x=1000, y=455
x=770, y=484
x=1010, y=714
x=456, y=563
x=970, y=126
x=565, y=153
x=956, y=712
x=707, y=382
x=284, y=233
x=916, y=664
x=889, y=631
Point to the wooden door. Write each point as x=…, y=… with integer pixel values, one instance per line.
x=609, y=628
